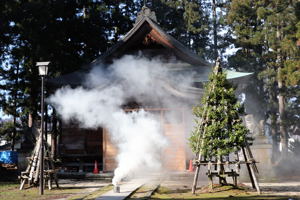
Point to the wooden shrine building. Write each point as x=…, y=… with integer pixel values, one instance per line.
x=79, y=148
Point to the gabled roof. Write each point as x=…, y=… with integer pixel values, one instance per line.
x=146, y=30
x=147, y=27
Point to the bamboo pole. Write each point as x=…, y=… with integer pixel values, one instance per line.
x=35, y=160
x=26, y=173
x=248, y=151
x=248, y=167
x=36, y=172
x=253, y=167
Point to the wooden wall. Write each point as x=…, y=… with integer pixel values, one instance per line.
x=174, y=155
x=109, y=153
x=79, y=148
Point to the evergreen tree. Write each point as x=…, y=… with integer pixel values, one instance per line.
x=187, y=21
x=247, y=30
x=10, y=131
x=252, y=55
x=280, y=23
x=219, y=129
x=220, y=30
x=12, y=100
x=266, y=33
x=67, y=33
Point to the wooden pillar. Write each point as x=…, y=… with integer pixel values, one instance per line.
x=54, y=135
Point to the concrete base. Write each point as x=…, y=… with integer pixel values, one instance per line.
x=124, y=191
x=262, y=153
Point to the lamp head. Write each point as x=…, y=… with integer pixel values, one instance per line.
x=43, y=68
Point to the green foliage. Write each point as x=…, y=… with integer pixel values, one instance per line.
x=222, y=129
x=73, y=33
x=267, y=33
x=67, y=33
x=293, y=109
x=187, y=20
x=291, y=72
x=244, y=19
x=6, y=130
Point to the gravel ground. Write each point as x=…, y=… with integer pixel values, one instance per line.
x=287, y=188
x=86, y=186
x=280, y=189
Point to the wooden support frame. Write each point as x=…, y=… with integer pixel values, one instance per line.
x=222, y=174
x=219, y=164
x=31, y=174
x=251, y=166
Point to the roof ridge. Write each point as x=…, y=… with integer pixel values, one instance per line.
x=146, y=12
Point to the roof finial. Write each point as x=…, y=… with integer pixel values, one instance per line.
x=145, y=12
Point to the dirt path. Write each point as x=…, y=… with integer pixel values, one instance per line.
x=287, y=188
x=280, y=189
x=86, y=186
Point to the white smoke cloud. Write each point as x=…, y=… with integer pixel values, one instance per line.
x=137, y=135
x=140, y=144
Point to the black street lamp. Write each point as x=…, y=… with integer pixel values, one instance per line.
x=43, y=71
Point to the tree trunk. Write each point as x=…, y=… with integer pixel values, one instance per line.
x=215, y=33
x=13, y=140
x=282, y=126
x=15, y=110
x=275, y=148
x=30, y=120
x=281, y=98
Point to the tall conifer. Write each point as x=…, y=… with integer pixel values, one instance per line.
x=219, y=129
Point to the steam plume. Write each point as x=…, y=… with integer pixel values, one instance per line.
x=137, y=135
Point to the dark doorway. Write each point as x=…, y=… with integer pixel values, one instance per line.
x=80, y=148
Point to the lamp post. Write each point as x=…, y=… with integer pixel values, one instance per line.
x=43, y=71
